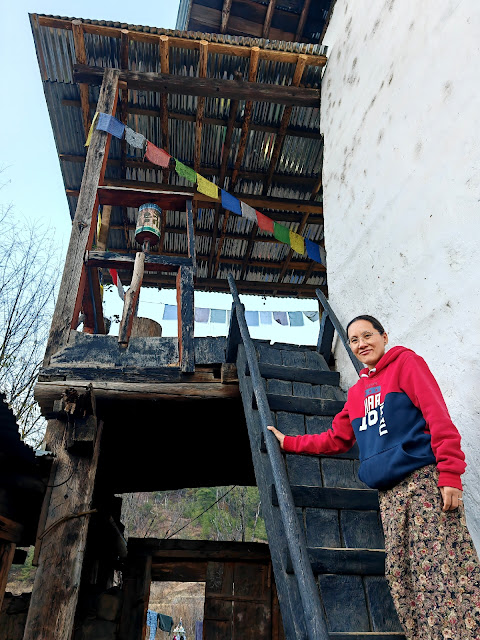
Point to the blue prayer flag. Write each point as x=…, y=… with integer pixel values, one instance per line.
x=110, y=125
x=296, y=318
x=170, y=312
x=265, y=317
x=231, y=203
x=201, y=314
x=218, y=315
x=281, y=317
x=252, y=318
x=313, y=250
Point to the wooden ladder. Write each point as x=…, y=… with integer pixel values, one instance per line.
x=338, y=516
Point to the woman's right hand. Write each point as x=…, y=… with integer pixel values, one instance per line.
x=278, y=434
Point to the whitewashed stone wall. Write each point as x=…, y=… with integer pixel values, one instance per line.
x=401, y=120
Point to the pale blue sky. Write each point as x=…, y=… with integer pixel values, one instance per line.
x=31, y=168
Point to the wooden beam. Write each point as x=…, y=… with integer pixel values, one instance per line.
x=124, y=49
x=131, y=298
x=165, y=69
x=268, y=18
x=92, y=304
x=81, y=58
x=220, y=122
x=302, y=20
x=136, y=594
x=185, y=306
x=207, y=87
x=55, y=593
x=10, y=531
x=227, y=5
x=102, y=237
x=7, y=551
x=74, y=274
x=202, y=73
x=219, y=48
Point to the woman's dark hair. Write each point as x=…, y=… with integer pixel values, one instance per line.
x=376, y=324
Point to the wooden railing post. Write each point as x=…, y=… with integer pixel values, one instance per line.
x=74, y=276
x=131, y=299
x=185, y=315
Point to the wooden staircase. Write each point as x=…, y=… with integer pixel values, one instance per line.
x=338, y=516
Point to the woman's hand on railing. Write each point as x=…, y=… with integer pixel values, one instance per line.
x=278, y=434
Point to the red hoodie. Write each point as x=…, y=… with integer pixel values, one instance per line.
x=397, y=414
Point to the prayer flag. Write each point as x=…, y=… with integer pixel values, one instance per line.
x=312, y=315
x=99, y=223
x=201, y=314
x=297, y=242
x=252, y=318
x=296, y=318
x=185, y=172
x=281, y=233
x=265, y=317
x=157, y=156
x=218, y=315
x=206, y=187
x=231, y=203
x=264, y=222
x=313, y=251
x=92, y=127
x=248, y=212
x=117, y=282
x=281, y=318
x=135, y=139
x=170, y=312
x=111, y=125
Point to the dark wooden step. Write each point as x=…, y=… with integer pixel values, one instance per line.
x=332, y=498
x=365, y=635
x=298, y=374
x=307, y=406
x=364, y=562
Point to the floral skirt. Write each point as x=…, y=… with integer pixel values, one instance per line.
x=431, y=564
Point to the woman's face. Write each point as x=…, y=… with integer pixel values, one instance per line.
x=367, y=344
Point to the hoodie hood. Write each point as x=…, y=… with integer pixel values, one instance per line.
x=389, y=357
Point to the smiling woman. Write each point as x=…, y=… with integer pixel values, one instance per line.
x=410, y=451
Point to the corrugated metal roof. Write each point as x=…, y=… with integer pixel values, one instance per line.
x=300, y=156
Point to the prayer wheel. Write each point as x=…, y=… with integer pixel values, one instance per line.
x=148, y=229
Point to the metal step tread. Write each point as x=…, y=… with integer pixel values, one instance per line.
x=332, y=498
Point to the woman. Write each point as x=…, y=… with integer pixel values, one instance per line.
x=409, y=451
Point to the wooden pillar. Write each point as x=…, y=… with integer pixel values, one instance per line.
x=131, y=299
x=185, y=315
x=10, y=533
x=75, y=275
x=136, y=593
x=57, y=580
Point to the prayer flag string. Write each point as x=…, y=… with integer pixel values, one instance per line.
x=162, y=159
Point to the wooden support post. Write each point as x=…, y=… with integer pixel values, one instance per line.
x=302, y=20
x=10, y=534
x=136, y=593
x=227, y=5
x=57, y=581
x=131, y=298
x=164, y=68
x=81, y=56
x=268, y=18
x=190, y=235
x=75, y=275
x=185, y=315
x=102, y=238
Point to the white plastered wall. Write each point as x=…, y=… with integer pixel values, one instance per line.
x=401, y=119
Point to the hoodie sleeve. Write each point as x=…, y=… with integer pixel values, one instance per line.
x=338, y=439
x=417, y=381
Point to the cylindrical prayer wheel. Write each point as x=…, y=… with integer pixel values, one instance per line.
x=148, y=229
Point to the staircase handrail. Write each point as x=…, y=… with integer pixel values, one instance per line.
x=309, y=594
x=329, y=323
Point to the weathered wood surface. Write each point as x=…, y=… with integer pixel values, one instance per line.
x=332, y=498
x=127, y=193
x=131, y=299
x=185, y=305
x=202, y=374
x=180, y=571
x=299, y=374
x=305, y=406
x=199, y=549
x=370, y=562
x=145, y=327
x=10, y=531
x=102, y=238
x=111, y=260
x=74, y=275
x=136, y=593
x=206, y=87
x=55, y=593
x=366, y=636
x=7, y=552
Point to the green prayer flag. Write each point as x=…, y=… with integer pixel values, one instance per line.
x=185, y=171
x=281, y=233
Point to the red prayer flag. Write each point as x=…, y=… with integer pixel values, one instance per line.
x=157, y=156
x=264, y=222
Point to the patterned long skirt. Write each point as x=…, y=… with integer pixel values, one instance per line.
x=431, y=564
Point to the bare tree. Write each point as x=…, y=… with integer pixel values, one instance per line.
x=28, y=275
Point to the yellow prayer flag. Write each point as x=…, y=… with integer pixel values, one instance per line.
x=99, y=224
x=92, y=126
x=297, y=242
x=206, y=187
